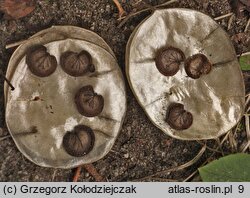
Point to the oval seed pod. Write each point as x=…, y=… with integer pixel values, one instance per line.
x=88, y=102
x=76, y=64
x=40, y=62
x=216, y=100
x=197, y=65
x=168, y=60
x=80, y=141
x=57, y=111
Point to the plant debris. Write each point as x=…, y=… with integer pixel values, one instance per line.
x=7, y=80
x=92, y=170
x=17, y=9
x=238, y=5
x=241, y=38
x=120, y=9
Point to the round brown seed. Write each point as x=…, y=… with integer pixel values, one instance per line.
x=197, y=65
x=88, y=102
x=168, y=60
x=178, y=118
x=80, y=141
x=40, y=62
x=76, y=64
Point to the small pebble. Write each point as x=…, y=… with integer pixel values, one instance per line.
x=86, y=174
x=108, y=8
x=126, y=156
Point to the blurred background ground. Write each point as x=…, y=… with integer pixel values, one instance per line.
x=141, y=149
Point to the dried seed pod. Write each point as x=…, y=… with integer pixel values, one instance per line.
x=88, y=102
x=168, y=60
x=80, y=141
x=76, y=64
x=197, y=65
x=178, y=118
x=40, y=62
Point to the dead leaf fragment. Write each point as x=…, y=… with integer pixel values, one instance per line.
x=122, y=12
x=241, y=38
x=17, y=8
x=246, y=3
x=238, y=5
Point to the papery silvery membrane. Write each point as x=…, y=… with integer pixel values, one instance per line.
x=216, y=100
x=55, y=113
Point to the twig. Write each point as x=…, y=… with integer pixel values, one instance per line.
x=223, y=140
x=230, y=21
x=165, y=4
x=8, y=46
x=247, y=128
x=209, y=148
x=77, y=174
x=8, y=82
x=120, y=8
x=237, y=128
x=243, y=54
x=247, y=100
x=145, y=10
x=131, y=15
x=4, y=137
x=246, y=147
x=220, y=144
x=54, y=175
x=223, y=16
x=247, y=107
x=190, y=176
x=92, y=171
x=189, y=163
x=232, y=142
x=247, y=26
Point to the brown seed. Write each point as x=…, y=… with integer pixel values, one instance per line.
x=178, y=118
x=197, y=65
x=40, y=62
x=80, y=141
x=88, y=102
x=76, y=64
x=168, y=60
